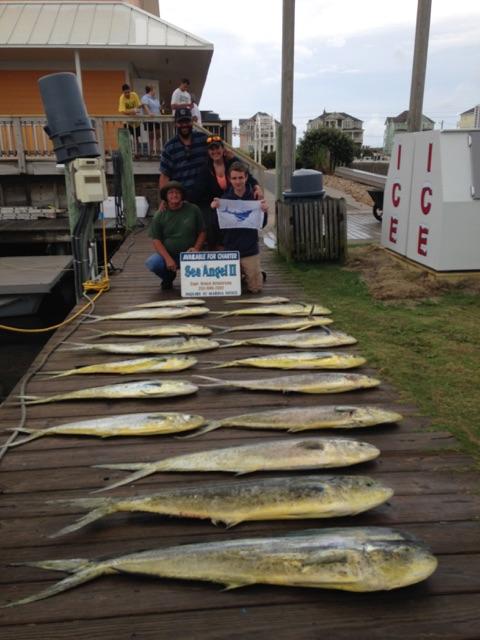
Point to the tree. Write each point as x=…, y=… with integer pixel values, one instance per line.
x=324, y=149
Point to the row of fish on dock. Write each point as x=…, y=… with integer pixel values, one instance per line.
x=353, y=558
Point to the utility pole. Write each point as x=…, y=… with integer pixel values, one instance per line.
x=288, y=39
x=414, y=122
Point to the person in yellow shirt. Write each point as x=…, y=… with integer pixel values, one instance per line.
x=129, y=104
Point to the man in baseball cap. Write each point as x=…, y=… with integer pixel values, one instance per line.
x=184, y=155
x=183, y=115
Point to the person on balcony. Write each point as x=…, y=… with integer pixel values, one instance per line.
x=181, y=96
x=184, y=155
x=212, y=182
x=196, y=115
x=179, y=227
x=151, y=107
x=129, y=105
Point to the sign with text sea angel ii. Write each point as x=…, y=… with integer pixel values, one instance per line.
x=210, y=273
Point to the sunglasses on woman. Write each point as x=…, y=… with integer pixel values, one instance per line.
x=211, y=139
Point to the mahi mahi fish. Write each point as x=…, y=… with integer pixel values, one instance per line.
x=294, y=309
x=279, y=324
x=125, y=390
x=306, y=383
x=263, y=300
x=350, y=559
x=155, y=364
x=161, y=331
x=295, y=419
x=298, y=360
x=128, y=424
x=162, y=313
x=273, y=455
x=241, y=500
x=183, y=302
x=164, y=345
x=310, y=340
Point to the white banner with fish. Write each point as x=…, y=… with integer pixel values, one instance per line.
x=240, y=214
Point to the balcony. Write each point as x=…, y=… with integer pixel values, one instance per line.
x=26, y=149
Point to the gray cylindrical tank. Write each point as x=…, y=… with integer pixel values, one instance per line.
x=68, y=124
x=306, y=183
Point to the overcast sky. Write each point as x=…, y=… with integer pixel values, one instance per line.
x=352, y=56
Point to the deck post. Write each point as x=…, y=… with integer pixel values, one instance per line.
x=17, y=131
x=128, y=180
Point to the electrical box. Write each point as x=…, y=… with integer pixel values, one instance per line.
x=432, y=211
x=89, y=179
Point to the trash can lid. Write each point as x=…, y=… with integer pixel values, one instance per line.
x=305, y=183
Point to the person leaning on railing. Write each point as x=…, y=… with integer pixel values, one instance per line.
x=129, y=104
x=151, y=107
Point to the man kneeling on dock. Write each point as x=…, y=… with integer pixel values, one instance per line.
x=178, y=228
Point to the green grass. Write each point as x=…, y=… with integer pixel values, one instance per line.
x=430, y=351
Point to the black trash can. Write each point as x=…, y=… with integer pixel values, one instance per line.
x=68, y=125
x=311, y=227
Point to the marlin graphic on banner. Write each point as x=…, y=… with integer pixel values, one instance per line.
x=241, y=214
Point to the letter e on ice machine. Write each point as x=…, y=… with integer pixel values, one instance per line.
x=432, y=199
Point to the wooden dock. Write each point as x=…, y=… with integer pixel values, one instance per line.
x=436, y=498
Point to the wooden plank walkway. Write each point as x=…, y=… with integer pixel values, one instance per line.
x=436, y=498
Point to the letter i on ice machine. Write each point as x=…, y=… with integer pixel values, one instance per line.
x=432, y=199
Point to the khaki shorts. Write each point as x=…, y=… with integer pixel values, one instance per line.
x=251, y=269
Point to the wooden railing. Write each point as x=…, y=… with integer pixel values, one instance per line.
x=23, y=139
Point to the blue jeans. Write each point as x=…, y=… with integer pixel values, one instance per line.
x=156, y=264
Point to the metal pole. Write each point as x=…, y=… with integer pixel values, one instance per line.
x=288, y=38
x=78, y=71
x=414, y=122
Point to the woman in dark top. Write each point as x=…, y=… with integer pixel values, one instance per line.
x=212, y=182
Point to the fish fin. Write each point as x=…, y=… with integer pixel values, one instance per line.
x=82, y=570
x=220, y=328
x=229, y=343
x=215, y=381
x=229, y=525
x=76, y=346
x=93, y=515
x=32, y=399
x=147, y=470
x=216, y=424
x=216, y=365
x=58, y=374
x=244, y=473
x=95, y=318
x=302, y=328
x=222, y=314
x=96, y=333
x=236, y=585
x=33, y=436
x=124, y=466
x=295, y=429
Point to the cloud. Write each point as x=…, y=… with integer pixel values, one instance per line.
x=350, y=56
